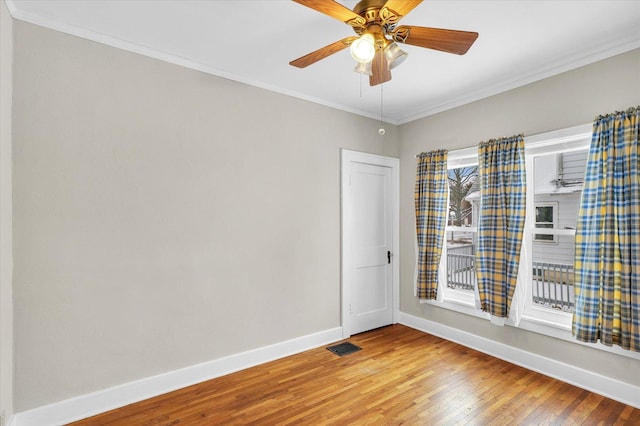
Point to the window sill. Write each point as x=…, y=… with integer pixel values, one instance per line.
x=458, y=305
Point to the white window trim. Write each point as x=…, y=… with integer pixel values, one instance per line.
x=535, y=318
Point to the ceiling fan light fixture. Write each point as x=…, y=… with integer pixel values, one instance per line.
x=395, y=55
x=363, y=49
x=364, y=68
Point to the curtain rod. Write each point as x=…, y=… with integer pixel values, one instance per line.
x=554, y=137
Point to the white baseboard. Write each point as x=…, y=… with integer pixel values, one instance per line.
x=606, y=386
x=98, y=402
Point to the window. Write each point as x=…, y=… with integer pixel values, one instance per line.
x=546, y=217
x=458, y=278
x=461, y=228
x=557, y=180
x=555, y=169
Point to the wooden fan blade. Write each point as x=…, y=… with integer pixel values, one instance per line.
x=313, y=57
x=451, y=41
x=402, y=7
x=380, y=72
x=335, y=10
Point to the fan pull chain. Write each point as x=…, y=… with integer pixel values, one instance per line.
x=381, y=130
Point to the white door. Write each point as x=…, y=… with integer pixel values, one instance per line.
x=369, y=195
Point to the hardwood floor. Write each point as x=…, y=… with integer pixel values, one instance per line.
x=401, y=376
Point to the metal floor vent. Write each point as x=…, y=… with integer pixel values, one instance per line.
x=344, y=349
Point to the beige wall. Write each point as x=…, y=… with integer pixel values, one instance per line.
x=6, y=256
x=164, y=217
x=566, y=100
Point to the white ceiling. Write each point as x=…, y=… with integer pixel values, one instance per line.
x=254, y=41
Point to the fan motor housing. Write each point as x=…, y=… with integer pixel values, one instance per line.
x=375, y=13
x=369, y=9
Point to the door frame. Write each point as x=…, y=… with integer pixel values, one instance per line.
x=348, y=157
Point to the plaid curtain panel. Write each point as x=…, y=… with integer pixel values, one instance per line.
x=607, y=244
x=501, y=170
x=431, y=194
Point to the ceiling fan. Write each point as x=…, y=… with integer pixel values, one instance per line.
x=375, y=47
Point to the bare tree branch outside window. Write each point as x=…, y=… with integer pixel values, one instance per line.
x=460, y=184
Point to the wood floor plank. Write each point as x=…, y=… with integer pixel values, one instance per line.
x=401, y=376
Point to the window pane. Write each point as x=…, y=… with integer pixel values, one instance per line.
x=544, y=214
x=544, y=237
x=461, y=254
x=557, y=189
x=464, y=200
x=463, y=190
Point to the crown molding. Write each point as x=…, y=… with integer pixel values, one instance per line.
x=596, y=54
x=176, y=60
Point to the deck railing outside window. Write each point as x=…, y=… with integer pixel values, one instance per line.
x=552, y=285
x=461, y=272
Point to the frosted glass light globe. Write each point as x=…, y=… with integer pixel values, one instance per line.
x=363, y=49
